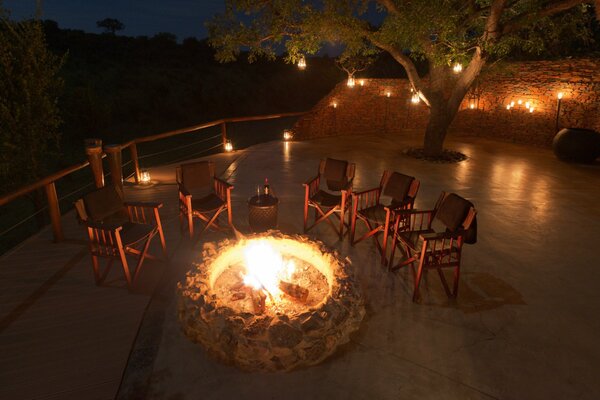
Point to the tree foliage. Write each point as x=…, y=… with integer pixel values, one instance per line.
x=439, y=32
x=29, y=116
x=110, y=25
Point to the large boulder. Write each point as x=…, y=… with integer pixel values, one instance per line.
x=577, y=145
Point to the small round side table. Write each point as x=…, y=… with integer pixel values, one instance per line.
x=262, y=212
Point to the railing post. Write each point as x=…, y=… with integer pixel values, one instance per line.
x=93, y=150
x=136, y=162
x=113, y=152
x=54, y=209
x=224, y=133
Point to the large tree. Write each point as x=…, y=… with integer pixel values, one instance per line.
x=440, y=32
x=29, y=116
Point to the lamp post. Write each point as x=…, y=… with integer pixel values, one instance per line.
x=560, y=96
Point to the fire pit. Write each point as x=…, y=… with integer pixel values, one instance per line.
x=270, y=302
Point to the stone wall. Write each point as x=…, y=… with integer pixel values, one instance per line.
x=384, y=106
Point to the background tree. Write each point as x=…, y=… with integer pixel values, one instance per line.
x=110, y=25
x=439, y=32
x=29, y=116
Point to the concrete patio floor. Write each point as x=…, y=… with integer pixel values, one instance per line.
x=525, y=323
x=524, y=326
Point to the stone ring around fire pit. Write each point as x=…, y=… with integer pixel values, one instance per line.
x=306, y=306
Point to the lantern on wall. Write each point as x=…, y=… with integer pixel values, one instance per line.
x=350, y=82
x=415, y=99
x=288, y=135
x=302, y=63
x=361, y=82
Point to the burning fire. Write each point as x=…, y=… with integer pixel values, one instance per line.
x=266, y=268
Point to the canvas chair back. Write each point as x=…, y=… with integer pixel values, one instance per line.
x=455, y=213
x=196, y=175
x=398, y=187
x=337, y=173
x=101, y=205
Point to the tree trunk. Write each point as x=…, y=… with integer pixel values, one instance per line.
x=443, y=108
x=436, y=131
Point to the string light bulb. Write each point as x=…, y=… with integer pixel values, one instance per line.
x=287, y=135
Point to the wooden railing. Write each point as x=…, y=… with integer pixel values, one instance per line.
x=113, y=152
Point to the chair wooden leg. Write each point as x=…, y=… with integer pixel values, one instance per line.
x=419, y=276
x=341, y=231
x=456, y=277
x=352, y=228
x=138, y=266
x=385, y=240
x=160, y=233
x=126, y=270
x=190, y=219
x=96, y=267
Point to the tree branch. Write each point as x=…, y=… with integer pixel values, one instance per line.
x=407, y=64
x=552, y=8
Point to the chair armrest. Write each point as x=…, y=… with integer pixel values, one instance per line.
x=223, y=189
x=144, y=204
x=223, y=183
x=413, y=220
x=311, y=180
x=109, y=227
x=366, y=198
x=312, y=186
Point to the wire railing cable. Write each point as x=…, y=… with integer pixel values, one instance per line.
x=178, y=147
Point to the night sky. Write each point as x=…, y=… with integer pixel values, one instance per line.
x=183, y=18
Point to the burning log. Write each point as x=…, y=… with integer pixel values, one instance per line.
x=258, y=301
x=238, y=296
x=295, y=291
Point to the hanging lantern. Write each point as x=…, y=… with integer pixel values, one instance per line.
x=228, y=146
x=302, y=63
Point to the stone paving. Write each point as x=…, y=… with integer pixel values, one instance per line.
x=525, y=324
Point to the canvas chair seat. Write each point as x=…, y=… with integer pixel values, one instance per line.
x=374, y=213
x=133, y=233
x=326, y=199
x=210, y=202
